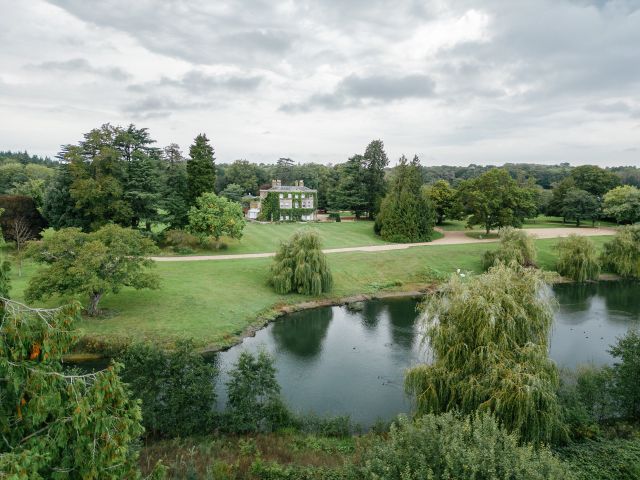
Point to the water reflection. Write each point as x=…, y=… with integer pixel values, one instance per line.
x=303, y=332
x=335, y=361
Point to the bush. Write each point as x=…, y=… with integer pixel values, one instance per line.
x=300, y=266
x=449, y=446
x=177, y=388
x=181, y=239
x=335, y=217
x=254, y=403
x=578, y=259
x=622, y=253
x=515, y=246
x=18, y=208
x=603, y=460
x=626, y=374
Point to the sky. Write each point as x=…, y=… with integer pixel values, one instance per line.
x=455, y=82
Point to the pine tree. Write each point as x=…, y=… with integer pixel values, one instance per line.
x=376, y=161
x=201, y=173
x=405, y=214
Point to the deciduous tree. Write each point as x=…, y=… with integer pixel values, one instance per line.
x=580, y=205
x=91, y=264
x=623, y=204
x=214, y=216
x=443, y=199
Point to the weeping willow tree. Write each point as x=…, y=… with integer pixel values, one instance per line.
x=300, y=266
x=489, y=337
x=578, y=259
x=622, y=254
x=515, y=246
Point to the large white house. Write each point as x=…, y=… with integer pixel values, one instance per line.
x=294, y=202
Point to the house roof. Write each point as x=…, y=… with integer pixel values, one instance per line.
x=289, y=188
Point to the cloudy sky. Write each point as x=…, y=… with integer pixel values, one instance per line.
x=456, y=82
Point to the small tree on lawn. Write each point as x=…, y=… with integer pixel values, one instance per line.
x=578, y=259
x=300, y=266
x=622, y=253
x=580, y=205
x=515, y=246
x=55, y=423
x=91, y=264
x=21, y=232
x=215, y=216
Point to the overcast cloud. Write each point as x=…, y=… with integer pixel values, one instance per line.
x=456, y=82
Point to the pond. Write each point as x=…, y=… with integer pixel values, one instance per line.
x=333, y=361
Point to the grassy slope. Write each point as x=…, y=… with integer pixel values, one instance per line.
x=540, y=222
x=215, y=301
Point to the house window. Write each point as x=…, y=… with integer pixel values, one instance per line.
x=302, y=195
x=295, y=204
x=281, y=218
x=286, y=217
x=282, y=195
x=289, y=195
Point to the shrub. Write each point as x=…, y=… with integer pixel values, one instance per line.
x=19, y=209
x=300, y=266
x=449, y=446
x=177, y=388
x=515, y=246
x=622, y=253
x=578, y=259
x=181, y=239
x=254, y=403
x=603, y=460
x=335, y=216
x=626, y=373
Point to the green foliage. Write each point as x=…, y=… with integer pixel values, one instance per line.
x=515, y=246
x=233, y=192
x=91, y=264
x=495, y=200
x=254, y=403
x=350, y=192
x=201, y=172
x=452, y=447
x=56, y=424
x=5, y=278
x=580, y=205
x=578, y=259
x=248, y=176
x=603, y=459
x=626, y=372
x=270, y=207
x=300, y=266
x=405, y=214
x=181, y=239
x=18, y=209
x=375, y=162
x=622, y=254
x=176, y=194
x=623, y=204
x=176, y=388
x=490, y=340
x=443, y=198
x=595, y=180
x=214, y=216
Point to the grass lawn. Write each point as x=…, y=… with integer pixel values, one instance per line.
x=266, y=237
x=542, y=221
x=213, y=302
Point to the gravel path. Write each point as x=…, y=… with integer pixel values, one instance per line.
x=450, y=238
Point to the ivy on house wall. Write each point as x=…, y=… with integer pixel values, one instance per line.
x=270, y=209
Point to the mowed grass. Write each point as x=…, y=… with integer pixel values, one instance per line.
x=266, y=237
x=214, y=302
x=542, y=221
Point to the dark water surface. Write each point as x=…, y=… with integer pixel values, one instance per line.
x=333, y=361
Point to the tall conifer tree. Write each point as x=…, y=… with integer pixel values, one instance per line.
x=201, y=172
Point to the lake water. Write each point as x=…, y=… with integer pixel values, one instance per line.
x=333, y=361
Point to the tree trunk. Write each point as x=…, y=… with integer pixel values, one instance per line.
x=94, y=299
x=488, y=229
x=578, y=222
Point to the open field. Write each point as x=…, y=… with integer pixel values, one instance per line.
x=542, y=221
x=225, y=298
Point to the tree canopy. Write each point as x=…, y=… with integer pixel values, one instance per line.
x=375, y=161
x=490, y=340
x=405, y=214
x=623, y=204
x=443, y=199
x=214, y=216
x=580, y=205
x=201, y=172
x=622, y=253
x=91, y=264
x=495, y=200
x=56, y=423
